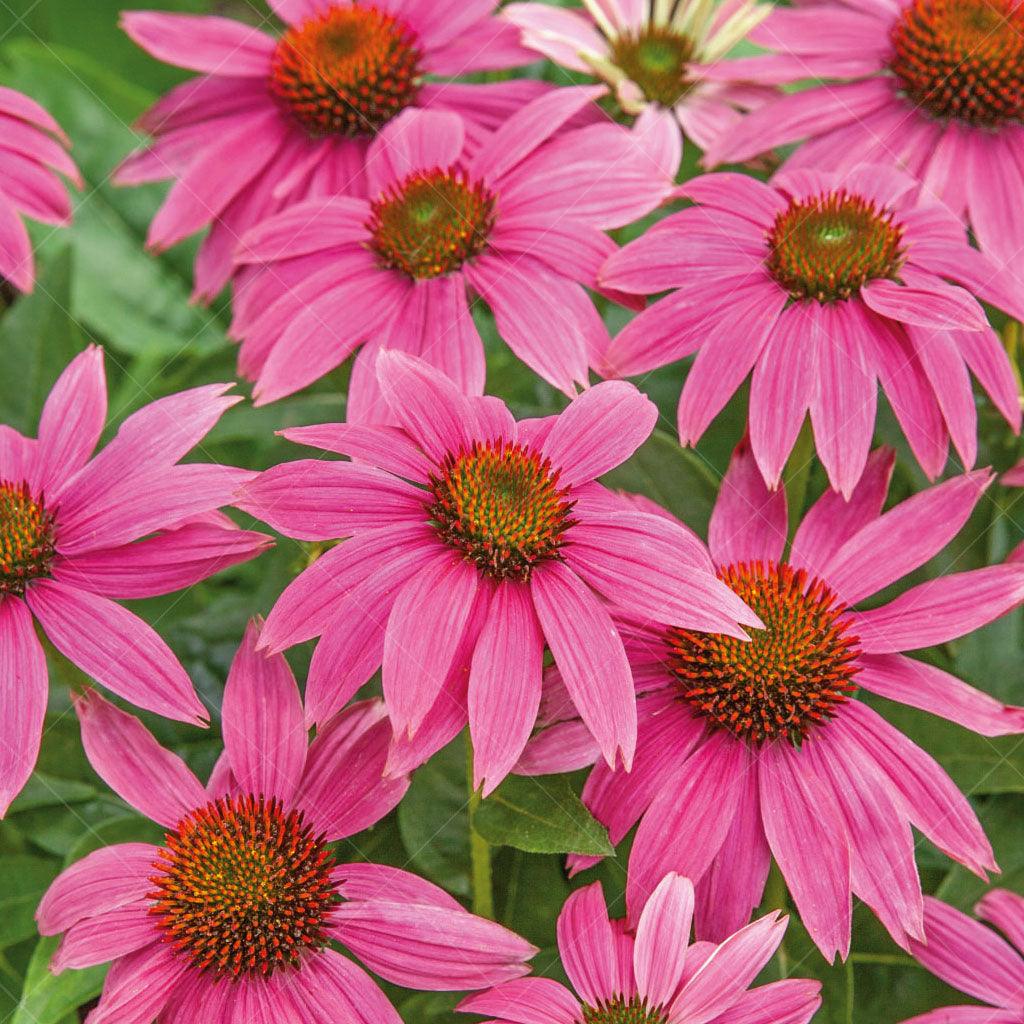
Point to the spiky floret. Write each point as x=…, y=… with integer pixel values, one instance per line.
x=244, y=888
x=962, y=59
x=621, y=1011
x=829, y=246
x=26, y=538
x=347, y=71
x=500, y=506
x=431, y=223
x=789, y=677
x=654, y=57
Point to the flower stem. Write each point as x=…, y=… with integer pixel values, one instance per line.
x=479, y=849
x=775, y=895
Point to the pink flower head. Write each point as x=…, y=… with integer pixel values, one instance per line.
x=749, y=751
x=822, y=285
x=476, y=541
x=932, y=86
x=1015, y=478
x=231, y=918
x=520, y=220
x=33, y=155
x=972, y=958
x=651, y=973
x=70, y=529
x=277, y=118
x=653, y=57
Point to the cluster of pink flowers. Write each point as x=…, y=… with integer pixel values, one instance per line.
x=362, y=201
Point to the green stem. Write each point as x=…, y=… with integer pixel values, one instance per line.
x=775, y=895
x=797, y=473
x=479, y=849
x=849, y=992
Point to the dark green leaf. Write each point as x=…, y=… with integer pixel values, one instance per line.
x=22, y=884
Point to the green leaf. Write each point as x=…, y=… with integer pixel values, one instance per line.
x=44, y=790
x=677, y=478
x=433, y=819
x=47, y=998
x=22, y=884
x=38, y=336
x=541, y=815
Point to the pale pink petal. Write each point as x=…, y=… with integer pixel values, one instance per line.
x=526, y=1000
x=587, y=946
x=588, y=651
x=749, y=522
x=104, y=880
x=941, y=609
x=116, y=648
x=427, y=622
x=662, y=935
x=23, y=693
x=559, y=34
x=126, y=756
x=657, y=130
x=262, y=718
x=809, y=842
x=970, y=957
x=928, y=688
x=504, y=684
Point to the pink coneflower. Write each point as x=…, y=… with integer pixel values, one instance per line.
x=933, y=86
x=972, y=958
x=232, y=917
x=653, y=55
x=33, y=155
x=821, y=285
x=1015, y=478
x=748, y=751
x=476, y=541
x=69, y=543
x=278, y=118
x=651, y=973
x=521, y=220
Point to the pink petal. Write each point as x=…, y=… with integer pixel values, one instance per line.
x=330, y=987
x=526, y=1000
x=994, y=177
x=262, y=721
x=947, y=371
x=117, y=649
x=126, y=756
x=809, y=842
x=305, y=227
x=557, y=33
x=970, y=957
x=1005, y=910
x=662, y=935
x=782, y=1002
x=941, y=609
x=139, y=985
x=562, y=747
x=427, y=622
x=736, y=193
x=104, y=880
x=504, y=684
x=107, y=936
x=16, y=261
x=749, y=522
x=927, y=302
x=730, y=969
x=659, y=335
x=72, y=418
x=23, y=693
x=416, y=140
x=219, y=45
x=965, y=1015
x=588, y=651
x=928, y=688
x=381, y=882
x=387, y=448
x=888, y=548
x=587, y=946
x=688, y=820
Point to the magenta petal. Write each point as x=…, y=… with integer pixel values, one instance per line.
x=416, y=140
x=598, y=431
x=526, y=1001
x=382, y=882
x=928, y=688
x=1005, y=910
x=928, y=302
x=332, y=988
x=126, y=756
x=343, y=790
x=749, y=522
x=426, y=624
x=810, y=845
x=941, y=609
x=387, y=448
x=504, y=684
x=588, y=651
x=139, y=985
x=794, y=1001
x=262, y=721
x=587, y=946
x=107, y=936
x=662, y=936
x=688, y=820
x=117, y=649
x=23, y=693
x=970, y=957
x=306, y=227
x=104, y=880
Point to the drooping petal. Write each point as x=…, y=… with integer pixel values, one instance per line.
x=107, y=936
x=139, y=985
x=128, y=758
x=1005, y=910
x=330, y=988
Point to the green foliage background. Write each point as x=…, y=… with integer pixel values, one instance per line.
x=97, y=283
